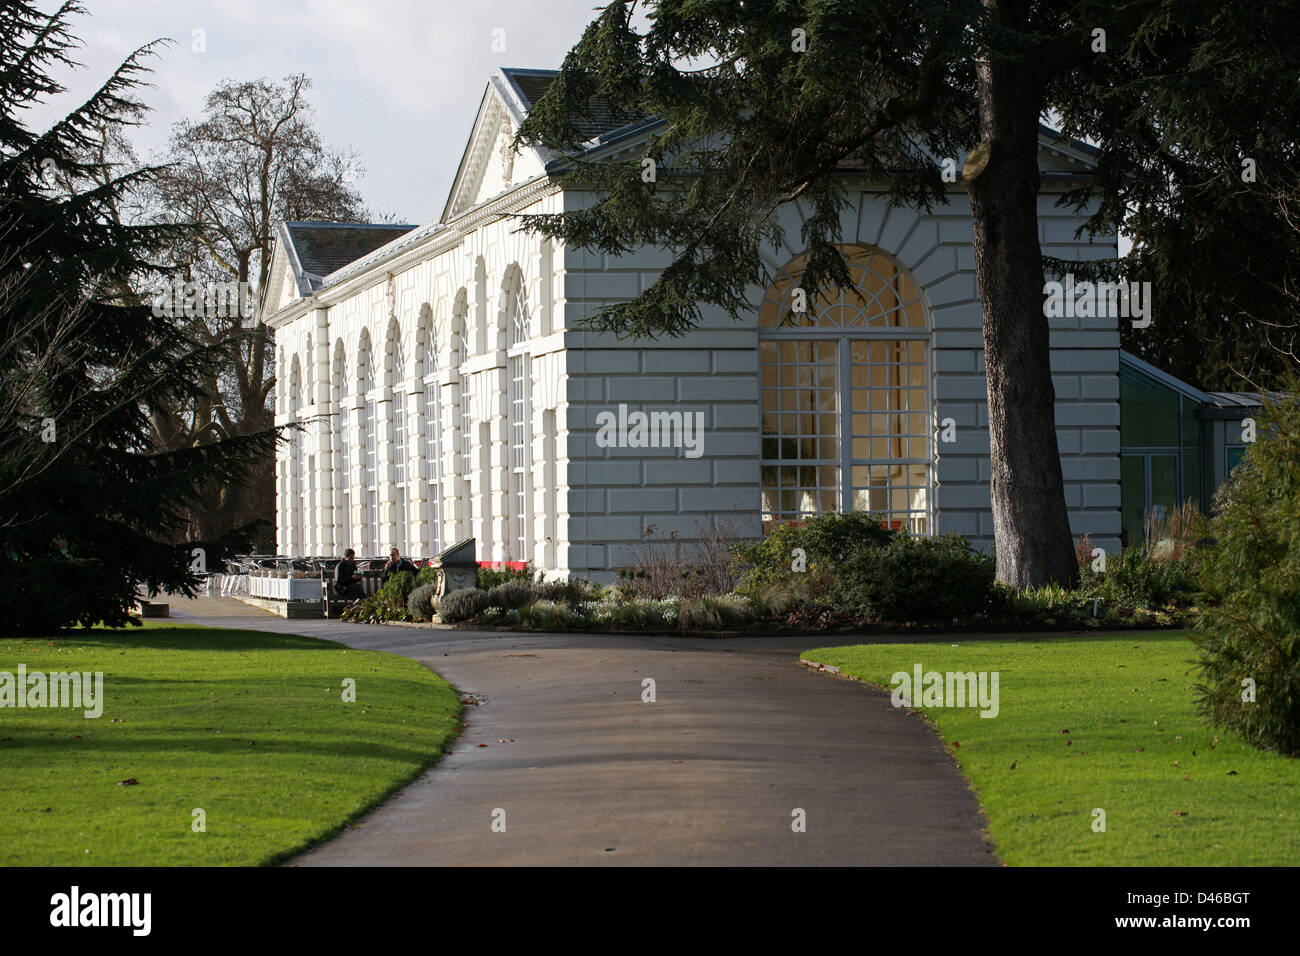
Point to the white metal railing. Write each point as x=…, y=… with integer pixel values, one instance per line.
x=284, y=589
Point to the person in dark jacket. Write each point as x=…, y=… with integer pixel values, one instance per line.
x=396, y=563
x=346, y=583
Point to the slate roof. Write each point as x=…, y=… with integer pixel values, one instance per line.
x=529, y=85
x=325, y=247
x=1238, y=399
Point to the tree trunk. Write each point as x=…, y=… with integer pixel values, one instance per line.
x=1030, y=524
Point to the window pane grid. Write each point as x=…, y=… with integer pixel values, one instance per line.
x=519, y=455
x=845, y=417
x=371, y=452
x=433, y=460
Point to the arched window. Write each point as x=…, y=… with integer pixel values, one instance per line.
x=397, y=381
x=463, y=452
x=309, y=460
x=368, y=447
x=845, y=397
x=308, y=395
x=281, y=383
x=427, y=357
x=515, y=314
x=294, y=541
x=342, y=472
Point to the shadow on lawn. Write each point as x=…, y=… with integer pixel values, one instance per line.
x=191, y=639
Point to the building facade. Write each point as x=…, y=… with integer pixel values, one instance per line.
x=444, y=388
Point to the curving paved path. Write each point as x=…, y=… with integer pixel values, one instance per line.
x=739, y=736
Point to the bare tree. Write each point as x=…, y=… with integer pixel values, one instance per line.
x=252, y=159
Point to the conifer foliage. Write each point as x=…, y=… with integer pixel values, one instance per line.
x=750, y=106
x=88, y=512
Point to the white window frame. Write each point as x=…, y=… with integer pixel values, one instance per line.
x=844, y=336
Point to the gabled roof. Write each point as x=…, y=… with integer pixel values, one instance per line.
x=529, y=85
x=510, y=94
x=316, y=249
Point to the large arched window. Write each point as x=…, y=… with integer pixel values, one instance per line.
x=517, y=320
x=427, y=359
x=845, y=399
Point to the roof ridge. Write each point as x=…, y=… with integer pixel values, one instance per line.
x=350, y=225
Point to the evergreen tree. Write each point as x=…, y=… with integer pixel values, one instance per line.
x=755, y=104
x=86, y=509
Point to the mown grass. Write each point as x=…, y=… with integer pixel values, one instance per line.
x=248, y=727
x=1109, y=723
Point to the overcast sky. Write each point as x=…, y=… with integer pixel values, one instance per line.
x=398, y=80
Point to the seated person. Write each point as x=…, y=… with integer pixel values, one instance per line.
x=347, y=586
x=396, y=563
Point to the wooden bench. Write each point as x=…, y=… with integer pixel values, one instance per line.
x=331, y=604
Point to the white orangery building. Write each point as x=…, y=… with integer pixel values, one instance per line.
x=447, y=391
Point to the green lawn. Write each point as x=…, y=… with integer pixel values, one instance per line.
x=1101, y=722
x=247, y=726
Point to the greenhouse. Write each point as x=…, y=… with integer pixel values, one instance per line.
x=1177, y=443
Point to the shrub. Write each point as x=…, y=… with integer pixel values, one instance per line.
x=1051, y=603
x=398, y=587
x=384, y=605
x=1144, y=577
x=511, y=594
x=771, y=601
x=546, y=615
x=827, y=540
x=1249, y=629
x=636, y=612
x=422, y=602
x=485, y=579
x=711, y=612
x=426, y=575
x=462, y=605
x=598, y=613
x=916, y=579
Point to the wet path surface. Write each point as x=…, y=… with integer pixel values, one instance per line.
x=739, y=736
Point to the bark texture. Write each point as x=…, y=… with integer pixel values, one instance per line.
x=1031, y=526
